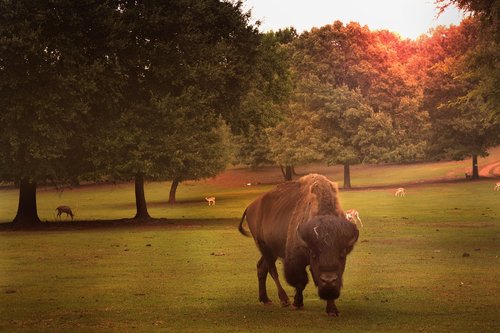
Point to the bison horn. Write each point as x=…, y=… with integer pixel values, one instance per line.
x=300, y=236
x=316, y=232
x=354, y=239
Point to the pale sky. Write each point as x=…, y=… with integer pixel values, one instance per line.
x=408, y=18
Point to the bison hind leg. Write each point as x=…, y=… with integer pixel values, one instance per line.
x=262, y=270
x=267, y=265
x=285, y=301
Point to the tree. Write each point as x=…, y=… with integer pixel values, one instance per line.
x=463, y=123
x=202, y=150
x=293, y=141
x=179, y=57
x=362, y=91
x=53, y=64
x=483, y=62
x=352, y=132
x=269, y=91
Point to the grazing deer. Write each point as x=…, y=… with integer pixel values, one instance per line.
x=353, y=216
x=497, y=187
x=64, y=209
x=211, y=201
x=468, y=175
x=400, y=192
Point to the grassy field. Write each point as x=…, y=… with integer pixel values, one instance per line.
x=428, y=262
x=103, y=202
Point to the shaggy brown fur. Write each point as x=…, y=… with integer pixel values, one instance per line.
x=274, y=220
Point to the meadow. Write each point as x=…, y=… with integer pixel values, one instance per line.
x=428, y=262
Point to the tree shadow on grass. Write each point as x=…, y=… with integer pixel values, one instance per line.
x=150, y=223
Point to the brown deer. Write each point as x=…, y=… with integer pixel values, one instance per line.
x=64, y=209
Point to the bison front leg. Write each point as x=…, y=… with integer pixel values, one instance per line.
x=331, y=308
x=297, y=277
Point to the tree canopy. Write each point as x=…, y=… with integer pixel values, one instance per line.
x=463, y=123
x=99, y=88
x=354, y=87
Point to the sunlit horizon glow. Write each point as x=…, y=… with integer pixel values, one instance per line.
x=408, y=18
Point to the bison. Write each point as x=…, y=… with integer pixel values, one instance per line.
x=302, y=223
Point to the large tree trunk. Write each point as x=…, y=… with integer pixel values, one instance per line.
x=475, y=169
x=347, y=176
x=27, y=214
x=173, y=190
x=140, y=198
x=287, y=172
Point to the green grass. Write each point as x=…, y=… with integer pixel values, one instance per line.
x=117, y=201
x=197, y=273
x=407, y=273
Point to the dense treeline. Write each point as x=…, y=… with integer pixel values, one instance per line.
x=362, y=96
x=171, y=90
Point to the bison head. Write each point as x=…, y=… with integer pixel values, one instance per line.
x=329, y=239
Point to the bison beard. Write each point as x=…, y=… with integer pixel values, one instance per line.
x=302, y=223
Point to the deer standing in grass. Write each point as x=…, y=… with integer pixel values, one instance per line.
x=64, y=209
x=497, y=187
x=353, y=216
x=211, y=201
x=400, y=192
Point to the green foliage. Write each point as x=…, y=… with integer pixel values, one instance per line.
x=186, y=70
x=358, y=102
x=201, y=154
x=294, y=141
x=483, y=60
x=353, y=133
x=270, y=90
x=52, y=66
x=253, y=148
x=463, y=121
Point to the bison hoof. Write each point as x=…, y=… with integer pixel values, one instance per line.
x=333, y=314
x=285, y=303
x=268, y=302
x=297, y=307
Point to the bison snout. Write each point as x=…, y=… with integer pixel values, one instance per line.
x=328, y=278
x=329, y=286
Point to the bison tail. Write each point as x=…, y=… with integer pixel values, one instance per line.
x=240, y=227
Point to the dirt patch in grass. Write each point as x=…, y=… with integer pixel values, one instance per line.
x=491, y=170
x=241, y=177
x=271, y=175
